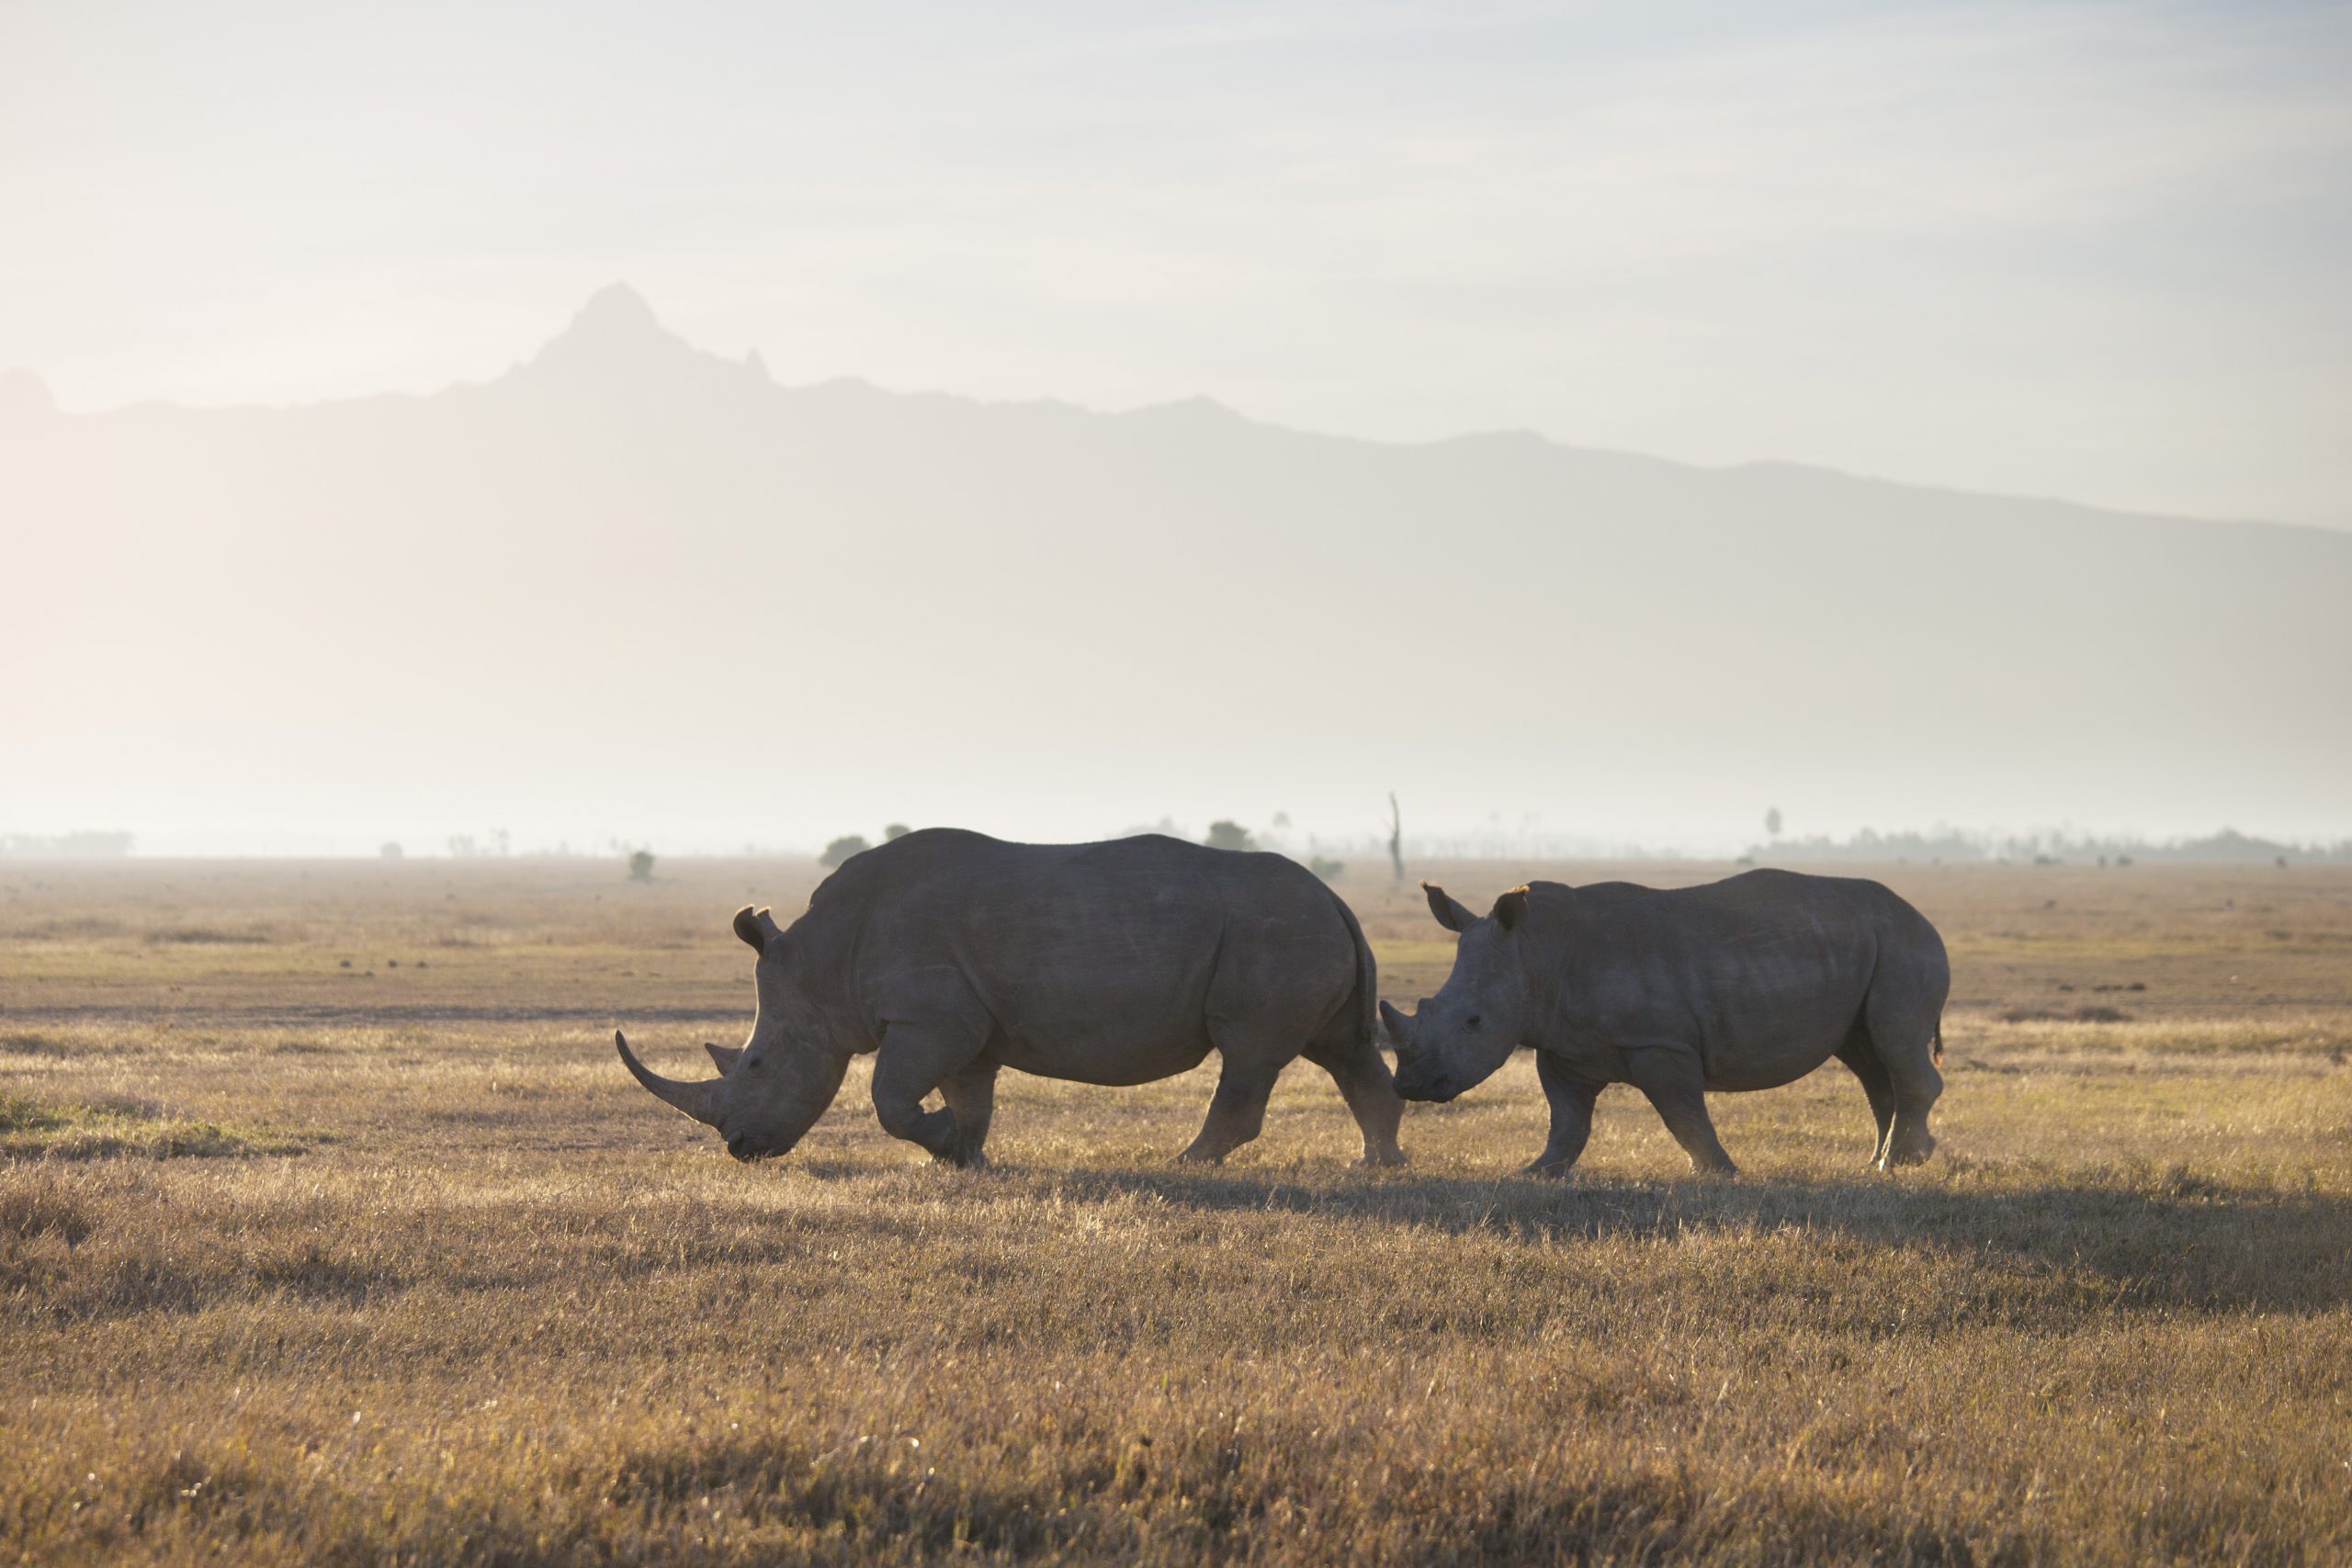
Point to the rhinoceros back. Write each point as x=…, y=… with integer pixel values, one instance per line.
x=1764, y=973
x=1103, y=963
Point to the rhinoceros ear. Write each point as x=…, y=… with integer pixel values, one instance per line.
x=747, y=926
x=724, y=1056
x=1448, y=910
x=1511, y=908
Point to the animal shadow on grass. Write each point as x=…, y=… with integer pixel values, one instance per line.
x=2169, y=1243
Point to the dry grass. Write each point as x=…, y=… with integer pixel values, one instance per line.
x=502, y=1306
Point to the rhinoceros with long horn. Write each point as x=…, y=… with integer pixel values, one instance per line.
x=950, y=955
x=1743, y=984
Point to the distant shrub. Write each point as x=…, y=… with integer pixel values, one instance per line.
x=641, y=865
x=1326, y=868
x=896, y=830
x=1229, y=836
x=391, y=852
x=840, y=848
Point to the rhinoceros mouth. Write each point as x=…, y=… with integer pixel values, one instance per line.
x=1435, y=1088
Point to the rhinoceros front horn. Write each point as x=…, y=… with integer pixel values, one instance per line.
x=699, y=1101
x=1399, y=1028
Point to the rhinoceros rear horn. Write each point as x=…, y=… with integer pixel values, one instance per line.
x=699, y=1101
x=723, y=1057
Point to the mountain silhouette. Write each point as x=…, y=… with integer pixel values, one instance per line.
x=632, y=575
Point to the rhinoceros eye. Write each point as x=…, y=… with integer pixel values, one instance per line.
x=1474, y=1022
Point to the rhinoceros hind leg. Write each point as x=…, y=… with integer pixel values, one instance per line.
x=1571, y=1117
x=1676, y=1086
x=1371, y=1092
x=1858, y=1054
x=1910, y=1143
x=1904, y=1027
x=1237, y=1109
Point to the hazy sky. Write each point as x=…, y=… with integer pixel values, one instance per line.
x=2089, y=250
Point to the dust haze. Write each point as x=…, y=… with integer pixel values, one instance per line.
x=1231, y=452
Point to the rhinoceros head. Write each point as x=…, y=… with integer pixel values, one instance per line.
x=1455, y=1039
x=770, y=1090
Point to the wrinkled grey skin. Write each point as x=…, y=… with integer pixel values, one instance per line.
x=949, y=955
x=1748, y=983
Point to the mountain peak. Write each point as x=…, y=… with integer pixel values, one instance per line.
x=615, y=339
x=617, y=321
x=616, y=308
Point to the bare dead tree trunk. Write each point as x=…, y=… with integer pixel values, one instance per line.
x=1395, y=837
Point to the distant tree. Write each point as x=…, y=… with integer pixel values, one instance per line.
x=1327, y=869
x=391, y=852
x=1229, y=836
x=1772, y=820
x=1395, y=837
x=641, y=865
x=896, y=830
x=841, y=848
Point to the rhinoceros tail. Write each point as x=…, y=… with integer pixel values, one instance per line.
x=1938, y=1042
x=1362, y=1015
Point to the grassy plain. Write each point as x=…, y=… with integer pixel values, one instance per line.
x=330, y=1230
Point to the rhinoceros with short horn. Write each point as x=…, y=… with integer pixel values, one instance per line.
x=949, y=955
x=1747, y=983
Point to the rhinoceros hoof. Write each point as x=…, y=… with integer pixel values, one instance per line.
x=1388, y=1158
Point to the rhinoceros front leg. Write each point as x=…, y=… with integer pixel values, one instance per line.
x=1675, y=1084
x=1237, y=1109
x=914, y=1059
x=1571, y=1116
x=971, y=1099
